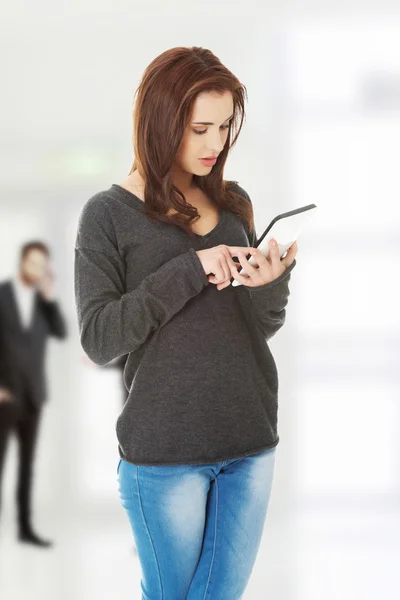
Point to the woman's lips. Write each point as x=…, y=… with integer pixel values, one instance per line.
x=208, y=161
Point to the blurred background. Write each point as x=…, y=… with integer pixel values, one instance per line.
x=323, y=127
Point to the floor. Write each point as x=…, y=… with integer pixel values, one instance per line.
x=312, y=555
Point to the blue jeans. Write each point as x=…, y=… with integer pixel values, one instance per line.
x=197, y=528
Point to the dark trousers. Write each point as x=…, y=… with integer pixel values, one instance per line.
x=24, y=421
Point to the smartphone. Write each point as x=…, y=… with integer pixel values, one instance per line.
x=285, y=229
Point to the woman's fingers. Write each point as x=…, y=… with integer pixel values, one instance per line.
x=248, y=268
x=229, y=268
x=232, y=264
x=290, y=256
x=222, y=271
x=233, y=250
x=223, y=285
x=226, y=265
x=274, y=253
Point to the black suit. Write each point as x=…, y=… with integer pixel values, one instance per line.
x=22, y=372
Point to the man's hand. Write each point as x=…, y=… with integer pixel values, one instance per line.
x=46, y=286
x=5, y=395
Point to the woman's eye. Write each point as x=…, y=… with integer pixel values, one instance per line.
x=205, y=131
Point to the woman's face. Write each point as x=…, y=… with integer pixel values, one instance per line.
x=202, y=141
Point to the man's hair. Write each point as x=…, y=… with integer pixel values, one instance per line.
x=34, y=245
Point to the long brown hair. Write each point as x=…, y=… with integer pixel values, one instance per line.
x=162, y=111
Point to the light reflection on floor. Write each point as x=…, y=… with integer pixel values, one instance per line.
x=334, y=557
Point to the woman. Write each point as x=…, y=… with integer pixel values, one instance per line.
x=154, y=259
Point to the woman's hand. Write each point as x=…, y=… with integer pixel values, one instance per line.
x=267, y=269
x=218, y=263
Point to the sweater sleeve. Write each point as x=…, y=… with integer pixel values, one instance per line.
x=113, y=322
x=268, y=301
x=117, y=363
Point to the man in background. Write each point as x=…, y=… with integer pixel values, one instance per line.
x=29, y=313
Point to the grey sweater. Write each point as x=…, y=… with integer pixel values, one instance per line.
x=202, y=382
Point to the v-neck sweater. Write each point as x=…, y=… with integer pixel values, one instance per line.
x=202, y=381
